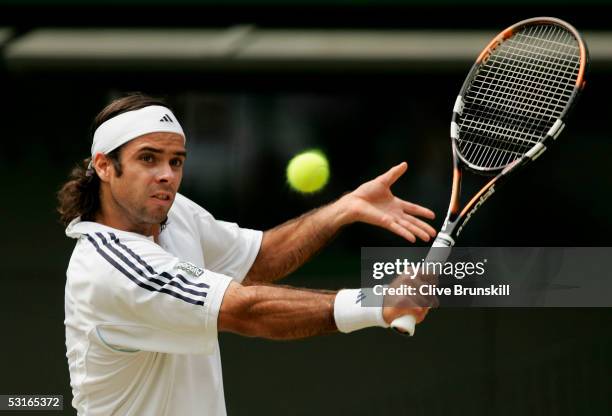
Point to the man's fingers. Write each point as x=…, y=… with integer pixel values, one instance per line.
x=419, y=314
x=414, y=209
x=414, y=229
x=408, y=229
x=401, y=231
x=393, y=174
x=422, y=225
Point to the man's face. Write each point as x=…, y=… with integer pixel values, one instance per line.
x=152, y=171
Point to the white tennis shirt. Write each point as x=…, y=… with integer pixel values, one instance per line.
x=141, y=318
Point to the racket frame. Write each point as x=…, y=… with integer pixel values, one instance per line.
x=457, y=217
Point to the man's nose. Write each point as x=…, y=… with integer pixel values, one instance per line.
x=166, y=174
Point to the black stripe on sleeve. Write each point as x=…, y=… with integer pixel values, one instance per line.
x=153, y=279
x=184, y=280
x=131, y=253
x=136, y=280
x=150, y=269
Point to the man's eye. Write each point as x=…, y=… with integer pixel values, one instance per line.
x=147, y=158
x=176, y=163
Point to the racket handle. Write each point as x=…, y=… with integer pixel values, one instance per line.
x=440, y=249
x=406, y=324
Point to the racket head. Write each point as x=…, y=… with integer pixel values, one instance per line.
x=517, y=94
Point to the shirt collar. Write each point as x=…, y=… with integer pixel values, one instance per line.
x=77, y=228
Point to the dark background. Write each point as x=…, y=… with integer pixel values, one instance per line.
x=243, y=126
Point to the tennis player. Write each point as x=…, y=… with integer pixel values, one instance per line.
x=154, y=277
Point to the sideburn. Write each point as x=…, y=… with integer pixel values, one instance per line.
x=115, y=156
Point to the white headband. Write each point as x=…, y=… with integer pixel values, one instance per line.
x=132, y=124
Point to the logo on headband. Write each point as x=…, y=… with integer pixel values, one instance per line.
x=166, y=118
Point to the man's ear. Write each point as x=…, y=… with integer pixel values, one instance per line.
x=103, y=166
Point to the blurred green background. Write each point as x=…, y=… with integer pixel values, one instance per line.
x=371, y=84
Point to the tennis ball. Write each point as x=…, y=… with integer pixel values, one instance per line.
x=308, y=171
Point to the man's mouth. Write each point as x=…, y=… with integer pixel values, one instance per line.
x=163, y=196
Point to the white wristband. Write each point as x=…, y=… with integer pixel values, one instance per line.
x=350, y=315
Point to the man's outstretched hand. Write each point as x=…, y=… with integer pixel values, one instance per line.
x=374, y=203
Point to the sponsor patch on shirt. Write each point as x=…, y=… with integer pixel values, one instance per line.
x=190, y=268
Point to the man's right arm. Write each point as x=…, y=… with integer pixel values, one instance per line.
x=285, y=313
x=276, y=312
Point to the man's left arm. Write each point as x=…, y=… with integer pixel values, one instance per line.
x=288, y=246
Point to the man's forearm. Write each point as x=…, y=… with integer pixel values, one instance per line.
x=288, y=246
x=276, y=312
x=284, y=313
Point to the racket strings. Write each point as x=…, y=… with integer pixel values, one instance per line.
x=527, y=105
x=505, y=96
x=509, y=64
x=517, y=95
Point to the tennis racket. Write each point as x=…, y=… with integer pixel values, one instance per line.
x=511, y=107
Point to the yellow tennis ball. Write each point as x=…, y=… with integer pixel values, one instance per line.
x=308, y=172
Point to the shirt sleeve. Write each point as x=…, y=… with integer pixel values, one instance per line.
x=227, y=248
x=232, y=250
x=146, y=299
